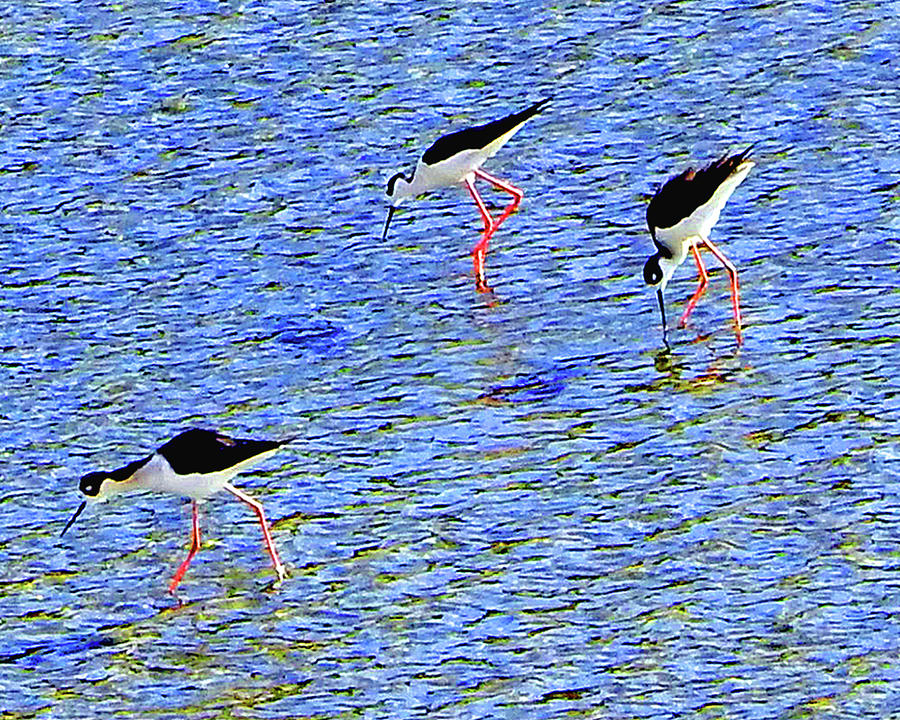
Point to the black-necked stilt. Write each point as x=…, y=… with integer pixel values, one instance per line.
x=457, y=158
x=195, y=464
x=683, y=211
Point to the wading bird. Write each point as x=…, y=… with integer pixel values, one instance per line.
x=683, y=212
x=457, y=159
x=195, y=464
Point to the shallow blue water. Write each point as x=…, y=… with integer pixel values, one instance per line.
x=515, y=505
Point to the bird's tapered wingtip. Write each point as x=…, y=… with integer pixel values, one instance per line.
x=541, y=104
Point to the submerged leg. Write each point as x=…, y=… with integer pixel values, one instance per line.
x=735, y=291
x=267, y=537
x=195, y=546
x=701, y=288
x=478, y=255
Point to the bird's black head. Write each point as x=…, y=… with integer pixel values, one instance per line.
x=90, y=485
x=653, y=273
x=391, y=184
x=92, y=482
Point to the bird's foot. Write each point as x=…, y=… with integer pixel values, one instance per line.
x=482, y=286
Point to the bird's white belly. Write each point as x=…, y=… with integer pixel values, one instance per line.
x=697, y=225
x=449, y=172
x=194, y=486
x=157, y=475
x=701, y=222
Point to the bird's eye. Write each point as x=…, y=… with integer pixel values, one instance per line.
x=90, y=484
x=652, y=271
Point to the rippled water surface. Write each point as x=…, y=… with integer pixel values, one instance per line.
x=507, y=505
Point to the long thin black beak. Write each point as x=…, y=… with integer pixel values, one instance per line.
x=77, y=513
x=662, y=310
x=387, y=222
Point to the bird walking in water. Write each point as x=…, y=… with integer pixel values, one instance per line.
x=195, y=464
x=457, y=159
x=681, y=214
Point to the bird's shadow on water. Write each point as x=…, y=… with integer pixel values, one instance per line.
x=77, y=645
x=319, y=336
x=537, y=387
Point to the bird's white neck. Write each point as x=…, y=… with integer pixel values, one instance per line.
x=404, y=189
x=144, y=477
x=677, y=245
x=668, y=266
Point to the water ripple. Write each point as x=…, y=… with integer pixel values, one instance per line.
x=514, y=505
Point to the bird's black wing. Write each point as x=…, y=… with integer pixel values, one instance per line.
x=205, y=451
x=478, y=137
x=684, y=193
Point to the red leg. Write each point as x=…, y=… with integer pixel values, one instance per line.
x=485, y=215
x=195, y=546
x=701, y=288
x=267, y=538
x=480, y=250
x=506, y=187
x=517, y=193
x=735, y=291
